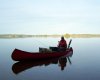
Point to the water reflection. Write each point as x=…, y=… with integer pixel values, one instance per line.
x=24, y=65
x=63, y=61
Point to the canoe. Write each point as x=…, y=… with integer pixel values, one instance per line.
x=19, y=55
x=21, y=66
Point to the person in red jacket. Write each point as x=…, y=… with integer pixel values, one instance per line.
x=62, y=45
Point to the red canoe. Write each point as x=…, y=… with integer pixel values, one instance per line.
x=19, y=55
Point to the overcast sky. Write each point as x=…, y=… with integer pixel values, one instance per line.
x=49, y=16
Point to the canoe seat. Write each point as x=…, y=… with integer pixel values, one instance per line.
x=44, y=50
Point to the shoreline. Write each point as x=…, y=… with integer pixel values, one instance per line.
x=54, y=35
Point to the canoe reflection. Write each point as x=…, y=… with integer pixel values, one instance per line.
x=24, y=65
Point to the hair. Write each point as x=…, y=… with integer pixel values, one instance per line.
x=62, y=37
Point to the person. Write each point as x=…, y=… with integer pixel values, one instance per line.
x=62, y=45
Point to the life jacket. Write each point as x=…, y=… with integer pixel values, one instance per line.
x=62, y=43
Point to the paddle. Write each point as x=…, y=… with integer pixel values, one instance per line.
x=69, y=43
x=68, y=48
x=69, y=60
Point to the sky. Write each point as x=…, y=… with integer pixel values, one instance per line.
x=49, y=16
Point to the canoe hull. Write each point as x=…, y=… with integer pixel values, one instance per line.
x=19, y=55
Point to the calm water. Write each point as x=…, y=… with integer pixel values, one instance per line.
x=83, y=65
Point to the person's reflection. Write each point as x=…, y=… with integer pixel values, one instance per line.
x=62, y=63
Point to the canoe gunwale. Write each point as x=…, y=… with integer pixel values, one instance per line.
x=19, y=55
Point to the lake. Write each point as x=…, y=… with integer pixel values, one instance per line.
x=83, y=65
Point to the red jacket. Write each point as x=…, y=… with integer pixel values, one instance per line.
x=62, y=43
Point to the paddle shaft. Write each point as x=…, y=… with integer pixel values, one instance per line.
x=68, y=48
x=69, y=43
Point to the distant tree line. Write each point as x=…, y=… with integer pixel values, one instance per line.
x=53, y=35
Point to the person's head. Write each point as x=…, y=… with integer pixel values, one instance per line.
x=62, y=38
